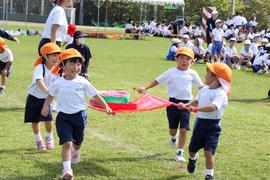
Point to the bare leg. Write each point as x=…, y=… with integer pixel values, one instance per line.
x=36, y=127
x=209, y=158
x=182, y=138
x=66, y=151
x=48, y=126
x=172, y=132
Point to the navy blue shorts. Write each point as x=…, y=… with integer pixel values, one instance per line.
x=178, y=116
x=205, y=135
x=33, y=109
x=217, y=48
x=70, y=127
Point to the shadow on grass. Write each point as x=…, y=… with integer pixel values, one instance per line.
x=263, y=100
x=12, y=109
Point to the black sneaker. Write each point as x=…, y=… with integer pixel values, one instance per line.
x=191, y=167
x=2, y=90
x=209, y=177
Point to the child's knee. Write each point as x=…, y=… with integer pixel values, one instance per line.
x=67, y=145
x=208, y=155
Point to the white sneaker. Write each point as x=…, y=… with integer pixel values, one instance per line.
x=67, y=174
x=75, y=156
x=173, y=141
x=238, y=67
x=180, y=157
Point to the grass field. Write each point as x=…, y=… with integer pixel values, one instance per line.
x=135, y=145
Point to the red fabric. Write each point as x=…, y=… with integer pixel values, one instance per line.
x=146, y=102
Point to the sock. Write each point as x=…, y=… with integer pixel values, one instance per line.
x=209, y=172
x=49, y=134
x=38, y=137
x=194, y=158
x=67, y=165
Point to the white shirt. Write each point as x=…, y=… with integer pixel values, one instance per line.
x=69, y=39
x=197, y=32
x=237, y=20
x=48, y=78
x=56, y=16
x=198, y=49
x=253, y=23
x=230, y=52
x=180, y=82
x=70, y=94
x=173, y=48
x=207, y=96
x=188, y=44
x=128, y=26
x=248, y=53
x=228, y=32
x=254, y=48
x=6, y=56
x=183, y=30
x=259, y=60
x=218, y=34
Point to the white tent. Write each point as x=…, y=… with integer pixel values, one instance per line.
x=99, y=3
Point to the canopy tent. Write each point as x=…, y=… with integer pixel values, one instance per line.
x=99, y=3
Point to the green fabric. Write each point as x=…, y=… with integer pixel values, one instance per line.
x=121, y=100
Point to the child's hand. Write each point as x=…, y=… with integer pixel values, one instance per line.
x=109, y=110
x=181, y=105
x=44, y=111
x=140, y=90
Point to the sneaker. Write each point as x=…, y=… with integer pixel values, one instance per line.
x=75, y=156
x=2, y=90
x=40, y=146
x=173, y=141
x=180, y=157
x=67, y=174
x=191, y=167
x=209, y=177
x=238, y=67
x=49, y=143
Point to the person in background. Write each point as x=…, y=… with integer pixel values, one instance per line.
x=173, y=48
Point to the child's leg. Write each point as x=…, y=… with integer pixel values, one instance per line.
x=66, y=159
x=38, y=137
x=49, y=135
x=3, y=78
x=209, y=162
x=182, y=138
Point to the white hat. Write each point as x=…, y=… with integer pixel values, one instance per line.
x=247, y=42
x=233, y=39
x=257, y=35
x=264, y=40
x=249, y=36
x=175, y=40
x=267, y=45
x=218, y=21
x=214, y=12
x=185, y=36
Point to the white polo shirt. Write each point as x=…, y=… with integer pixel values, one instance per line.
x=218, y=34
x=6, y=56
x=245, y=52
x=70, y=94
x=207, y=96
x=230, y=52
x=48, y=78
x=180, y=82
x=56, y=16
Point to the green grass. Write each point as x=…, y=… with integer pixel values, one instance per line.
x=134, y=146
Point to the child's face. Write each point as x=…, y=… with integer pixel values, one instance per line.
x=232, y=43
x=51, y=59
x=210, y=78
x=183, y=62
x=247, y=46
x=1, y=50
x=72, y=68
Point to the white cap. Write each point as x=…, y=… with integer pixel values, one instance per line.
x=185, y=36
x=264, y=40
x=247, y=42
x=218, y=21
x=257, y=35
x=267, y=45
x=175, y=40
x=214, y=12
x=233, y=39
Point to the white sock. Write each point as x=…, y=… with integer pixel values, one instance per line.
x=2, y=86
x=49, y=134
x=67, y=165
x=209, y=172
x=38, y=137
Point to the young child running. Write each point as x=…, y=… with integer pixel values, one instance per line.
x=38, y=91
x=209, y=105
x=179, y=81
x=70, y=91
x=6, y=58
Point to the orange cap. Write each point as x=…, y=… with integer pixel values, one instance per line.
x=185, y=51
x=66, y=55
x=221, y=70
x=48, y=48
x=3, y=43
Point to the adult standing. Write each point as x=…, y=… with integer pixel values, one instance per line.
x=56, y=25
x=210, y=25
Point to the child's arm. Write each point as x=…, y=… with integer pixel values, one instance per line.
x=101, y=101
x=149, y=85
x=42, y=86
x=187, y=106
x=45, y=107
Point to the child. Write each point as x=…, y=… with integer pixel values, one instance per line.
x=6, y=59
x=179, y=80
x=246, y=55
x=186, y=41
x=198, y=50
x=79, y=45
x=231, y=55
x=70, y=91
x=38, y=91
x=174, y=47
x=217, y=40
x=209, y=105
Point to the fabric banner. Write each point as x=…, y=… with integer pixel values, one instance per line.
x=147, y=102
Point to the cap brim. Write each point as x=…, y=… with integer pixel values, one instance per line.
x=210, y=67
x=184, y=53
